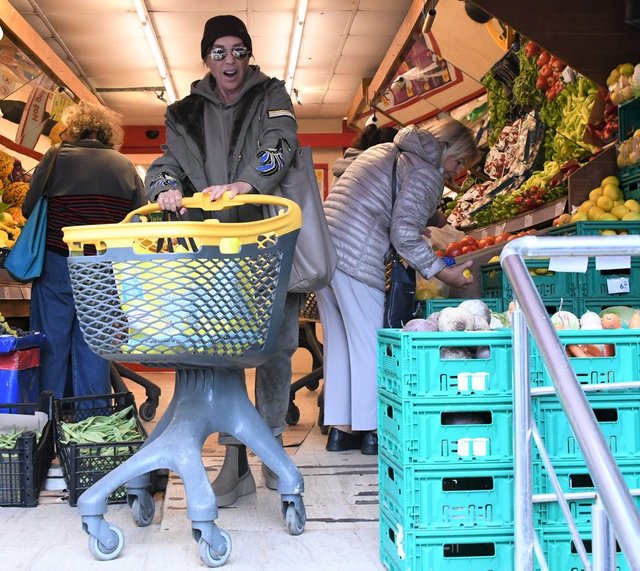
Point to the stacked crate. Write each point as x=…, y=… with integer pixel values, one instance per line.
x=445, y=431
x=429, y=306
x=445, y=451
x=578, y=292
x=618, y=415
x=628, y=123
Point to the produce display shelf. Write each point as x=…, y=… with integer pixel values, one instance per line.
x=84, y=464
x=415, y=365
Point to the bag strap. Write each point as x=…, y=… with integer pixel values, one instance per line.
x=47, y=178
x=394, y=179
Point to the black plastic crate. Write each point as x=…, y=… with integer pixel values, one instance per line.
x=24, y=468
x=84, y=464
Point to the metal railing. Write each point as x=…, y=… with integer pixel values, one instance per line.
x=530, y=315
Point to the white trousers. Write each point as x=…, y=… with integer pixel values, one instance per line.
x=351, y=313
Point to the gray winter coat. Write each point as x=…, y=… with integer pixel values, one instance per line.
x=359, y=212
x=212, y=142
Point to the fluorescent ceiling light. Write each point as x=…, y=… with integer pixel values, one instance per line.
x=296, y=41
x=152, y=40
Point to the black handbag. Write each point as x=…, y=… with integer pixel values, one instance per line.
x=400, y=303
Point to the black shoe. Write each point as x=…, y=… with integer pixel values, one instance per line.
x=369, y=444
x=339, y=440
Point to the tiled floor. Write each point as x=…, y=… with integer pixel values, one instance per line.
x=341, y=501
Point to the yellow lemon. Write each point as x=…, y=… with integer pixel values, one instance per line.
x=610, y=180
x=612, y=191
x=632, y=205
x=619, y=210
x=595, y=194
x=607, y=216
x=595, y=213
x=605, y=203
x=631, y=216
x=579, y=217
x=584, y=207
x=608, y=233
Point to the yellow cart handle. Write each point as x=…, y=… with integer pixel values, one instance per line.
x=228, y=236
x=202, y=201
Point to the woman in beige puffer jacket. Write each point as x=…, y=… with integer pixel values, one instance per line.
x=364, y=225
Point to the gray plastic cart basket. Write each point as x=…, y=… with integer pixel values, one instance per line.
x=209, y=304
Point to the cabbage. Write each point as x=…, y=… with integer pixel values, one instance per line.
x=477, y=307
x=565, y=320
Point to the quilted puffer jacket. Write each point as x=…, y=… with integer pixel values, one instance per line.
x=360, y=215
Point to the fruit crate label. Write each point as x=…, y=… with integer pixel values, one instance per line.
x=476, y=447
x=613, y=262
x=479, y=381
x=618, y=285
x=576, y=264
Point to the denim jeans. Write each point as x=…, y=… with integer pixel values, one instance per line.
x=64, y=353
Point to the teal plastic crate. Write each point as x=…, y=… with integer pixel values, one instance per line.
x=598, y=304
x=630, y=182
x=561, y=553
x=618, y=415
x=430, y=306
x=447, y=431
x=628, y=119
x=448, y=497
x=410, y=364
x=622, y=366
x=549, y=513
x=592, y=228
x=473, y=550
x=550, y=285
x=575, y=477
x=618, y=284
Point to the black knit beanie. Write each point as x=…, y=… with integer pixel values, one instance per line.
x=220, y=26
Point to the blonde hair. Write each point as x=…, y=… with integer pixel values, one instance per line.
x=457, y=140
x=85, y=120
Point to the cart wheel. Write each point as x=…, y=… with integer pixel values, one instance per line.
x=295, y=523
x=147, y=411
x=210, y=557
x=313, y=385
x=100, y=552
x=293, y=414
x=143, y=514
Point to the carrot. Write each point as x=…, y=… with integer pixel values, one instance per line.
x=609, y=350
x=610, y=321
x=592, y=350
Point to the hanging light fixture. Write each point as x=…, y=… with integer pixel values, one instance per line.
x=152, y=40
x=296, y=42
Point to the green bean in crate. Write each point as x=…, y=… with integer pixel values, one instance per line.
x=95, y=435
x=212, y=302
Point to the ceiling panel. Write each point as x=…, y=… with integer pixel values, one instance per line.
x=343, y=42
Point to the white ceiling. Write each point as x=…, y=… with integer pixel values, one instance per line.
x=103, y=42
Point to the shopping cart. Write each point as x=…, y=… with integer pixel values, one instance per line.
x=208, y=303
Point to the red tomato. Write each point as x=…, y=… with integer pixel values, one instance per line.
x=485, y=242
x=500, y=238
x=467, y=248
x=469, y=241
x=452, y=247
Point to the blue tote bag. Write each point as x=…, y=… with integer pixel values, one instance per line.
x=25, y=259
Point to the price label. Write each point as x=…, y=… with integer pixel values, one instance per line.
x=528, y=220
x=618, y=285
x=559, y=208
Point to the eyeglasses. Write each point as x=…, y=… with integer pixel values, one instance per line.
x=219, y=53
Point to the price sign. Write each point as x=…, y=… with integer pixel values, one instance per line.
x=618, y=285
